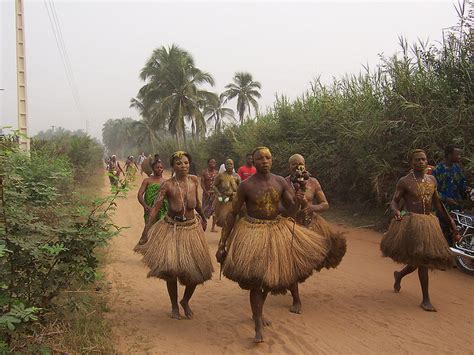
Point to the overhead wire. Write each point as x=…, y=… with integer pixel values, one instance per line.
x=65, y=51
x=65, y=59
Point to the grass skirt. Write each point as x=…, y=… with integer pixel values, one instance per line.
x=417, y=240
x=336, y=241
x=272, y=255
x=177, y=250
x=222, y=211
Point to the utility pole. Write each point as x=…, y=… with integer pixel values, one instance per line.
x=21, y=77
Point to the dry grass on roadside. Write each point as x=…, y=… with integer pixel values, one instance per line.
x=78, y=324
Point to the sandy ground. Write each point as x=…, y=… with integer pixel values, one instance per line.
x=352, y=309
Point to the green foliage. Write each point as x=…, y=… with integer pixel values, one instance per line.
x=79, y=149
x=172, y=101
x=246, y=90
x=172, y=94
x=47, y=240
x=356, y=133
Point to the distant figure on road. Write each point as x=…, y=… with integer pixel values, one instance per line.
x=248, y=169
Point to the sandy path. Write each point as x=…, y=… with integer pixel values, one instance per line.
x=348, y=310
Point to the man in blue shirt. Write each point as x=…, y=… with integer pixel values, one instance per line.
x=452, y=185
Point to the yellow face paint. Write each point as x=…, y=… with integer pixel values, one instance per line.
x=179, y=153
x=263, y=149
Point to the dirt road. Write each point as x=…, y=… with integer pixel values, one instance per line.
x=352, y=309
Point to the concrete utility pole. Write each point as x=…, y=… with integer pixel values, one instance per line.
x=21, y=77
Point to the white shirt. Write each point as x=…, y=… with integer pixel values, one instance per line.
x=222, y=169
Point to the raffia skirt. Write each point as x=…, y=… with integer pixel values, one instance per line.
x=417, y=240
x=337, y=245
x=272, y=255
x=177, y=250
x=222, y=211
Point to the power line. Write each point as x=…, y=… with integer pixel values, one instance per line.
x=66, y=55
x=63, y=60
x=56, y=27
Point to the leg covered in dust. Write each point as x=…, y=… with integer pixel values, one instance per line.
x=188, y=293
x=399, y=275
x=257, y=300
x=296, y=306
x=172, y=287
x=424, y=282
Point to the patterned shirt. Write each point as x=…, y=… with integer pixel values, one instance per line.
x=451, y=181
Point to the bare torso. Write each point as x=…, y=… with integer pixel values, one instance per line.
x=313, y=190
x=181, y=195
x=208, y=177
x=417, y=194
x=227, y=184
x=262, y=195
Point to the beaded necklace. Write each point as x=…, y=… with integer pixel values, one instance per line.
x=184, y=200
x=421, y=191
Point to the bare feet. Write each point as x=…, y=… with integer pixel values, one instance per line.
x=427, y=306
x=258, y=332
x=398, y=279
x=175, y=313
x=296, y=308
x=187, y=310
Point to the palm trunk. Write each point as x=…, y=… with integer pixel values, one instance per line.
x=178, y=140
x=216, y=126
x=193, y=129
x=152, y=146
x=185, y=140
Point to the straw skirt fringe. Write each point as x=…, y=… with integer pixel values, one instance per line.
x=336, y=241
x=417, y=240
x=177, y=250
x=272, y=255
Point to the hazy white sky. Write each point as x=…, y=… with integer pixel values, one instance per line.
x=283, y=44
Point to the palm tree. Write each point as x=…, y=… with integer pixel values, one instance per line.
x=145, y=132
x=246, y=91
x=146, y=129
x=215, y=111
x=172, y=93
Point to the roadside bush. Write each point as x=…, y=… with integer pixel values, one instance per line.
x=82, y=151
x=47, y=241
x=356, y=133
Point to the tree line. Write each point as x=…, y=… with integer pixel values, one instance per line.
x=356, y=132
x=173, y=98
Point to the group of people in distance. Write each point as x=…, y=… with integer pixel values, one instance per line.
x=273, y=236
x=220, y=187
x=114, y=170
